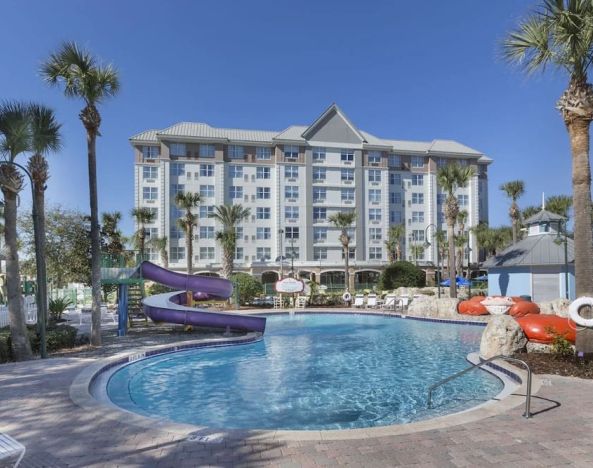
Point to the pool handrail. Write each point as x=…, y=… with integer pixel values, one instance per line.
x=526, y=414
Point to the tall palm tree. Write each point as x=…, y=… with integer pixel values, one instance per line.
x=343, y=221
x=142, y=216
x=111, y=234
x=560, y=34
x=15, y=138
x=513, y=190
x=451, y=177
x=529, y=211
x=393, y=242
x=229, y=217
x=559, y=204
x=461, y=241
x=160, y=244
x=84, y=78
x=188, y=202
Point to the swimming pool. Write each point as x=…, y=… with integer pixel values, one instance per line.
x=312, y=371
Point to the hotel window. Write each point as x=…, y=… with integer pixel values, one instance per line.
x=206, y=211
x=206, y=191
x=395, y=198
x=151, y=152
x=375, y=253
x=177, y=233
x=177, y=149
x=347, y=155
x=463, y=162
x=417, y=216
x=262, y=213
x=264, y=254
x=374, y=157
x=150, y=193
x=351, y=253
x=374, y=214
x=441, y=162
x=262, y=193
x=417, y=198
x=395, y=179
x=319, y=234
x=351, y=232
x=177, y=254
x=150, y=172
x=395, y=217
x=206, y=232
x=263, y=172
x=236, y=152
x=417, y=161
x=319, y=253
x=154, y=212
x=463, y=200
x=291, y=191
x=206, y=151
x=319, y=174
x=347, y=194
x=418, y=235
x=239, y=232
x=319, y=194
x=206, y=170
x=374, y=175
x=291, y=212
x=375, y=233
x=151, y=233
x=374, y=195
x=292, y=232
x=417, y=179
x=347, y=174
x=319, y=213
x=441, y=198
x=236, y=172
x=206, y=253
x=292, y=252
x=177, y=188
x=177, y=169
x=395, y=160
x=235, y=192
x=238, y=254
x=291, y=152
x=291, y=172
x=263, y=233
x=263, y=153
x=319, y=154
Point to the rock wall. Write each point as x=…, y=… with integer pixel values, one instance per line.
x=502, y=335
x=556, y=307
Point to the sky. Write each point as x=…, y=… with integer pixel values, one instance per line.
x=398, y=69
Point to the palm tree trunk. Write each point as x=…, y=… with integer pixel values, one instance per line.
x=40, y=235
x=227, y=262
x=95, y=240
x=21, y=347
x=165, y=257
x=398, y=252
x=346, y=268
x=142, y=241
x=514, y=212
x=190, y=248
x=451, y=259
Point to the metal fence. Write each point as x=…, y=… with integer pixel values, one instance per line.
x=30, y=311
x=80, y=297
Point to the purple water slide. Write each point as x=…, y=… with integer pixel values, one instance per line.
x=170, y=307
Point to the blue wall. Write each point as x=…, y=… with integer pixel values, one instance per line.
x=509, y=281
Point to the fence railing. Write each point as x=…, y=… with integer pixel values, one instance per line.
x=30, y=312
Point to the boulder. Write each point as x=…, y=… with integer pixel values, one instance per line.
x=556, y=307
x=502, y=335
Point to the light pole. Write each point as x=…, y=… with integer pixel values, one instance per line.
x=426, y=246
x=469, y=276
x=559, y=240
x=41, y=292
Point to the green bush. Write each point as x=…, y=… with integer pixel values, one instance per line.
x=249, y=287
x=156, y=288
x=57, y=307
x=401, y=274
x=57, y=336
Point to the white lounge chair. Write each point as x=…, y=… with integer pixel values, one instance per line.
x=403, y=302
x=359, y=300
x=301, y=302
x=390, y=302
x=10, y=449
x=277, y=302
x=371, y=301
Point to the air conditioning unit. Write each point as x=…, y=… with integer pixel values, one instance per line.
x=246, y=178
x=348, y=182
x=252, y=217
x=150, y=161
x=409, y=202
x=246, y=238
x=348, y=202
x=291, y=180
x=252, y=197
x=252, y=178
x=150, y=181
x=196, y=237
x=291, y=200
x=375, y=164
x=150, y=201
x=252, y=237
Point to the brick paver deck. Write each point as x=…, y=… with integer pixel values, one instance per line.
x=35, y=409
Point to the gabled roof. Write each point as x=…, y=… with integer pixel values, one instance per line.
x=333, y=109
x=147, y=136
x=451, y=146
x=292, y=133
x=532, y=251
x=202, y=130
x=544, y=216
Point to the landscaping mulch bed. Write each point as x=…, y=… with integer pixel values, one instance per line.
x=546, y=363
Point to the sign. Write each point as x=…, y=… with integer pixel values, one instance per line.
x=289, y=286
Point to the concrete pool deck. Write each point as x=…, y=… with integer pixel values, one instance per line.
x=36, y=409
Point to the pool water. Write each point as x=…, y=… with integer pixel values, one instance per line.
x=312, y=371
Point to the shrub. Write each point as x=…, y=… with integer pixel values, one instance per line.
x=249, y=287
x=57, y=307
x=57, y=337
x=401, y=274
x=156, y=288
x=560, y=345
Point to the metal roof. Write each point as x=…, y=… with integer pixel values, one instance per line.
x=531, y=251
x=147, y=136
x=543, y=216
x=202, y=130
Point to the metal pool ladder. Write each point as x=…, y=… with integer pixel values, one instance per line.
x=526, y=414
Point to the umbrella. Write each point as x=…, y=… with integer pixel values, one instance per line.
x=481, y=278
x=460, y=282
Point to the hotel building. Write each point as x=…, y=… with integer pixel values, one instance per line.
x=293, y=181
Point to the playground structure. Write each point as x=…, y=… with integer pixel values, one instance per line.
x=174, y=307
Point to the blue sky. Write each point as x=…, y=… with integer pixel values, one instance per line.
x=398, y=70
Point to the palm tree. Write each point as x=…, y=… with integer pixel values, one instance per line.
x=142, y=216
x=417, y=250
x=513, y=190
x=529, y=211
x=160, y=244
x=451, y=177
x=461, y=239
x=343, y=221
x=440, y=238
x=188, y=202
x=229, y=217
x=560, y=34
x=111, y=234
x=393, y=242
x=83, y=77
x=15, y=138
x=559, y=204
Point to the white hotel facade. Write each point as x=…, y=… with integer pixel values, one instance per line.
x=292, y=181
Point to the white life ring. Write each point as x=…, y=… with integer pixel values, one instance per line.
x=346, y=297
x=573, y=310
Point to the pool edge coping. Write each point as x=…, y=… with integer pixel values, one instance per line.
x=80, y=394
